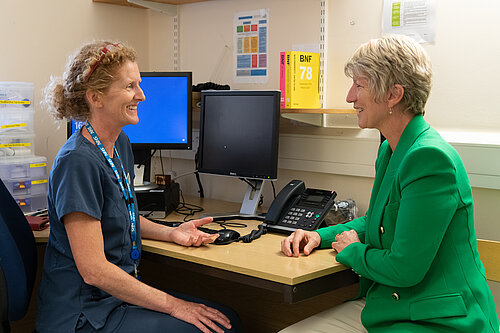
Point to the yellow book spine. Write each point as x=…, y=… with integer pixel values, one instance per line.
x=288, y=83
x=304, y=79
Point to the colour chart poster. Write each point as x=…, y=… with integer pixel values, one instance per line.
x=250, y=59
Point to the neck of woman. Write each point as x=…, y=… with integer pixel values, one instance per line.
x=106, y=133
x=395, y=126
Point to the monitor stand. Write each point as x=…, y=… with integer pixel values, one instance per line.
x=249, y=205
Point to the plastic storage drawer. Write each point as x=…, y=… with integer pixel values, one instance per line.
x=17, y=145
x=34, y=167
x=16, y=121
x=18, y=95
x=31, y=203
x=26, y=186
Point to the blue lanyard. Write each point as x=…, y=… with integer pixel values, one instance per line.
x=127, y=194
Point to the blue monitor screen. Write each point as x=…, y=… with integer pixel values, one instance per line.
x=165, y=115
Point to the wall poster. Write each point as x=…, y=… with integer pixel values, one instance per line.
x=250, y=56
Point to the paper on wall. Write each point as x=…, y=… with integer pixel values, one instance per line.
x=250, y=55
x=414, y=18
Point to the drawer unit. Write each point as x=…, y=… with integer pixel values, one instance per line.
x=31, y=203
x=14, y=121
x=34, y=167
x=17, y=145
x=26, y=186
x=17, y=95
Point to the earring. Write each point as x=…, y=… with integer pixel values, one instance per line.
x=390, y=110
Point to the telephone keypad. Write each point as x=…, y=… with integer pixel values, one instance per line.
x=308, y=209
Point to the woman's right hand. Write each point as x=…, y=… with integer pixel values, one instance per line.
x=200, y=315
x=300, y=240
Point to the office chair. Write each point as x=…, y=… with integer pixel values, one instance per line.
x=18, y=261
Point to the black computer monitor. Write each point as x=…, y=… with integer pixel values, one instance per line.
x=165, y=117
x=239, y=137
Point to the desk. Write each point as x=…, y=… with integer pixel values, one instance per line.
x=259, y=263
x=245, y=271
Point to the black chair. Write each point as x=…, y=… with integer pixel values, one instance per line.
x=18, y=261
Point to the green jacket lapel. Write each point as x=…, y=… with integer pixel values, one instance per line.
x=385, y=179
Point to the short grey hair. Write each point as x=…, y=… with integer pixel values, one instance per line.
x=394, y=59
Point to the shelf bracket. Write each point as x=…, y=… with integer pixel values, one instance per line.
x=159, y=7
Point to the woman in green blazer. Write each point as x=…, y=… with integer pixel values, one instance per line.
x=415, y=250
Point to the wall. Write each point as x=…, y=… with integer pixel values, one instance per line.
x=38, y=37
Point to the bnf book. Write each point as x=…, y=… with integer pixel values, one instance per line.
x=303, y=80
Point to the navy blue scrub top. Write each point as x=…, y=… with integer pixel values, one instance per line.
x=81, y=180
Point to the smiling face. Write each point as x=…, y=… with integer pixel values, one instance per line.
x=119, y=102
x=371, y=114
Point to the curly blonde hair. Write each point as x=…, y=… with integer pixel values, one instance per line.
x=394, y=59
x=90, y=67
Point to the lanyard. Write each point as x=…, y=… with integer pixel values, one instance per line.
x=127, y=193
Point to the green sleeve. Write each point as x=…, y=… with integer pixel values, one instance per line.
x=328, y=234
x=429, y=199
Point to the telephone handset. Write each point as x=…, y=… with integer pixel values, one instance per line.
x=298, y=207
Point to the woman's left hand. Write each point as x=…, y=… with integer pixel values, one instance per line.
x=344, y=239
x=187, y=233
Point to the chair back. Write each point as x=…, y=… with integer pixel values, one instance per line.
x=18, y=260
x=489, y=252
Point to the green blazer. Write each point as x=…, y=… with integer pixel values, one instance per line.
x=418, y=261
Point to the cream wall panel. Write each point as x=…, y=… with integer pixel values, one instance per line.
x=161, y=44
x=337, y=155
x=38, y=37
x=206, y=34
x=464, y=58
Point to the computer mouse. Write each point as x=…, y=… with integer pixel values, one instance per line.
x=226, y=236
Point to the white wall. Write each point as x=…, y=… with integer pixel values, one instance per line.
x=464, y=56
x=38, y=37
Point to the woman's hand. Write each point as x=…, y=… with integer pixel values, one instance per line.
x=200, y=315
x=300, y=240
x=344, y=239
x=187, y=233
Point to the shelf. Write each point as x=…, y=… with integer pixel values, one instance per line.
x=319, y=111
x=166, y=2
x=339, y=118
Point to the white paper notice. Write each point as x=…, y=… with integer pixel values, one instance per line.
x=250, y=57
x=414, y=18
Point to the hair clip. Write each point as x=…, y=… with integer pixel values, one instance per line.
x=105, y=49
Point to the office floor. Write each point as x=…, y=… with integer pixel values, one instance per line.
x=260, y=310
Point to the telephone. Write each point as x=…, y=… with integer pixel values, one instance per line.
x=298, y=207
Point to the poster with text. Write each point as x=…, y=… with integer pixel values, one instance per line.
x=414, y=18
x=251, y=32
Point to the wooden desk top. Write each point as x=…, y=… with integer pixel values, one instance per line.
x=261, y=258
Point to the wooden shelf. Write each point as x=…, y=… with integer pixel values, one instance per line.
x=319, y=111
x=168, y=2
x=342, y=118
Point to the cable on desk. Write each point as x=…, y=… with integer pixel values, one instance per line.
x=224, y=224
x=187, y=209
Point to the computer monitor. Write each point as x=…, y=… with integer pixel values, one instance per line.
x=239, y=137
x=165, y=117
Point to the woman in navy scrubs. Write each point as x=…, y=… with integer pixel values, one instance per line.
x=89, y=281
